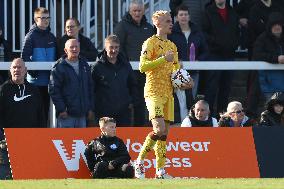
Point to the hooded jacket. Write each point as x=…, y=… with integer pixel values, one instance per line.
x=132, y=36
x=114, y=85
x=267, y=48
x=258, y=18
x=71, y=92
x=21, y=106
x=39, y=46
x=269, y=118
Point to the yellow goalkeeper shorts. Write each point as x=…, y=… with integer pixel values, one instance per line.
x=160, y=107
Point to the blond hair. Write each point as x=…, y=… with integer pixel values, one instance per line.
x=104, y=120
x=159, y=14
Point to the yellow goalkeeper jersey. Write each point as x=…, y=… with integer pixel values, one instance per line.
x=158, y=71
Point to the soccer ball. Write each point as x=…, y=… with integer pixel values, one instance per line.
x=179, y=77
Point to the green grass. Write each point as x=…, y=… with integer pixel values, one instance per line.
x=145, y=184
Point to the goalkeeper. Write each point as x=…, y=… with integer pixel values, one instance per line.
x=159, y=58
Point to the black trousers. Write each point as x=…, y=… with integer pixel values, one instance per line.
x=101, y=171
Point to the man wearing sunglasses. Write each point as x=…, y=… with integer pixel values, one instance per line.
x=40, y=46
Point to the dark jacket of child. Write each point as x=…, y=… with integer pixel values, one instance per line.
x=110, y=150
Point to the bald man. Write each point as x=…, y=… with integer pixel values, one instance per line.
x=71, y=88
x=21, y=105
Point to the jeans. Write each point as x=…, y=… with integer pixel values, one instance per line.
x=71, y=122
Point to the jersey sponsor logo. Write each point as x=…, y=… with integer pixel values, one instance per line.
x=17, y=99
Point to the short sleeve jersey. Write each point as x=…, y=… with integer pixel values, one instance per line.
x=158, y=78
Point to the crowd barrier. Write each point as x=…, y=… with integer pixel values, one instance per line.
x=191, y=152
x=197, y=65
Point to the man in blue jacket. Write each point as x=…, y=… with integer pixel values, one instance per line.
x=71, y=88
x=40, y=46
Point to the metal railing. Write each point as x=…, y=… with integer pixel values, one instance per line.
x=216, y=65
x=97, y=17
x=200, y=65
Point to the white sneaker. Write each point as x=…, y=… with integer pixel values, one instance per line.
x=164, y=176
x=161, y=174
x=139, y=170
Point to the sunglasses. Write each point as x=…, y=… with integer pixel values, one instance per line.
x=238, y=112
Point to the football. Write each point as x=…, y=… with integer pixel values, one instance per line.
x=179, y=77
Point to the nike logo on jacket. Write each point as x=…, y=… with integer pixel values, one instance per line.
x=17, y=99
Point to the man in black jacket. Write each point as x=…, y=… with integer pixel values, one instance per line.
x=114, y=84
x=269, y=47
x=220, y=26
x=21, y=104
x=107, y=155
x=132, y=31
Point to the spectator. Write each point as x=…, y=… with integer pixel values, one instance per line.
x=221, y=31
x=258, y=17
x=269, y=47
x=243, y=8
x=196, y=9
x=5, y=55
x=107, y=155
x=199, y=116
x=132, y=31
x=184, y=35
x=274, y=114
x=257, y=21
x=5, y=171
x=235, y=117
x=114, y=84
x=72, y=28
x=159, y=58
x=40, y=46
x=21, y=105
x=71, y=88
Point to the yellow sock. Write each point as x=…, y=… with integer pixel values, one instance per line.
x=147, y=147
x=160, y=152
